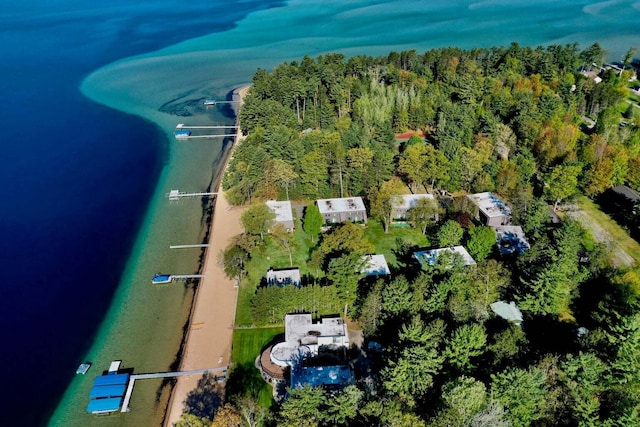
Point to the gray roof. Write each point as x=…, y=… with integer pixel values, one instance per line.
x=346, y=204
x=289, y=276
x=408, y=201
x=490, y=204
x=627, y=192
x=431, y=256
x=508, y=311
x=376, y=265
x=281, y=209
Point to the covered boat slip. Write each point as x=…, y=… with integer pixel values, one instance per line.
x=111, y=379
x=103, y=406
x=101, y=392
x=107, y=393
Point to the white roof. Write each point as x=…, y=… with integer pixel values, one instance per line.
x=281, y=209
x=283, y=277
x=300, y=328
x=376, y=265
x=347, y=204
x=115, y=365
x=407, y=201
x=302, y=337
x=490, y=204
x=508, y=311
x=430, y=256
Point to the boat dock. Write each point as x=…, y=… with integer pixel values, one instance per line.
x=161, y=279
x=212, y=102
x=183, y=131
x=174, y=195
x=175, y=277
x=133, y=378
x=201, y=245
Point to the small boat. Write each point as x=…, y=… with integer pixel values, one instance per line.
x=83, y=368
x=182, y=133
x=209, y=102
x=161, y=278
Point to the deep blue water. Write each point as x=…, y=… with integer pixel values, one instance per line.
x=76, y=178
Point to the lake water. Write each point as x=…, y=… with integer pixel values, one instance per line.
x=84, y=221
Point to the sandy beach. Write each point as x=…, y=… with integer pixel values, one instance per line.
x=208, y=342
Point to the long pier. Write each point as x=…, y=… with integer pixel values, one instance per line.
x=200, y=245
x=133, y=378
x=222, y=135
x=174, y=195
x=186, y=276
x=183, y=126
x=183, y=131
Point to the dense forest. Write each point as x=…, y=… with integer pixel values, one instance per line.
x=532, y=125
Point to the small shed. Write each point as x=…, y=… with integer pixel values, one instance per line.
x=337, y=211
x=283, y=212
x=491, y=210
x=508, y=311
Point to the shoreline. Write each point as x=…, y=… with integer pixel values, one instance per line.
x=207, y=342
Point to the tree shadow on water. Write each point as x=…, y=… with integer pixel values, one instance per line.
x=205, y=399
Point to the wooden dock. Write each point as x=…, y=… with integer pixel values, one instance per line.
x=133, y=378
x=183, y=126
x=200, y=245
x=175, y=195
x=183, y=131
x=175, y=277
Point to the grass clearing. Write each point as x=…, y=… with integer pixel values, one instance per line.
x=387, y=244
x=624, y=250
x=244, y=378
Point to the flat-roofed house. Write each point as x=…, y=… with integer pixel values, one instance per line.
x=491, y=210
x=283, y=277
x=303, y=337
x=511, y=239
x=337, y=211
x=430, y=256
x=401, y=204
x=375, y=265
x=283, y=211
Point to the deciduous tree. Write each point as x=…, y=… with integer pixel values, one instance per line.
x=258, y=219
x=481, y=242
x=284, y=240
x=424, y=213
x=450, y=234
x=312, y=222
x=383, y=199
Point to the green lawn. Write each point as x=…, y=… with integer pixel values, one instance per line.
x=244, y=378
x=270, y=256
x=388, y=243
x=605, y=229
